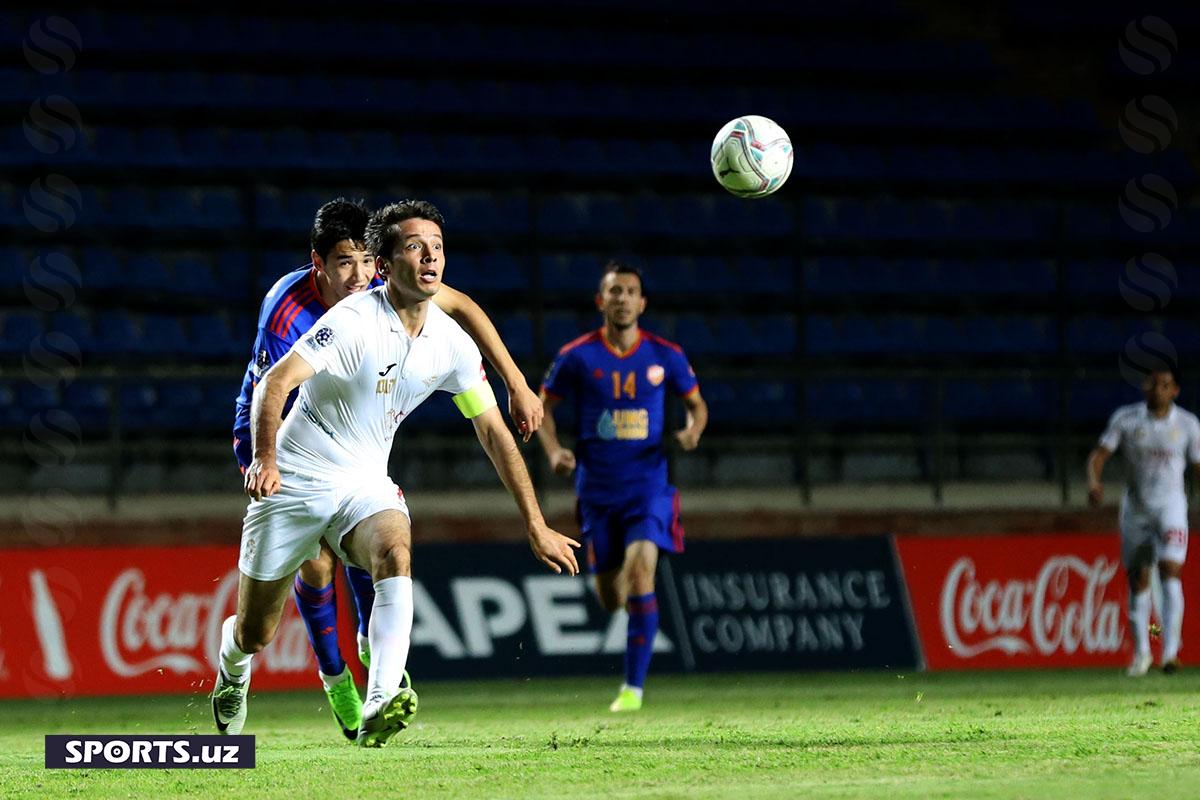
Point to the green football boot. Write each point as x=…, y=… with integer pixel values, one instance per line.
x=628, y=699
x=383, y=718
x=345, y=703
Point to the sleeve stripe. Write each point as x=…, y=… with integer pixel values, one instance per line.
x=691, y=391
x=273, y=325
x=300, y=303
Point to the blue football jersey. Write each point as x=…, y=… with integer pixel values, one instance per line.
x=620, y=403
x=290, y=308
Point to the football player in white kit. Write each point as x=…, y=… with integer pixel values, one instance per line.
x=361, y=370
x=1157, y=439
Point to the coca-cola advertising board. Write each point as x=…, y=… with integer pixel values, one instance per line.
x=144, y=620
x=1050, y=600
x=147, y=620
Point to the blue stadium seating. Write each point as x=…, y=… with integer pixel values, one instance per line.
x=20, y=328
x=999, y=401
x=90, y=403
x=873, y=400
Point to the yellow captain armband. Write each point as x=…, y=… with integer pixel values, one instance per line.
x=476, y=400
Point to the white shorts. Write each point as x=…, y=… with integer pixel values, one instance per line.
x=284, y=530
x=1161, y=533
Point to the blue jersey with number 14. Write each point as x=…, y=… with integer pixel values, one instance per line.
x=620, y=400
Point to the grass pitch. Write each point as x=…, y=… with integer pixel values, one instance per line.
x=999, y=735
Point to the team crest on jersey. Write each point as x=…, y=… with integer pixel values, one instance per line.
x=321, y=338
x=655, y=374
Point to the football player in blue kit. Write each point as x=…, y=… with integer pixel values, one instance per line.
x=340, y=267
x=618, y=378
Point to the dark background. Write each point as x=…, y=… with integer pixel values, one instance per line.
x=943, y=292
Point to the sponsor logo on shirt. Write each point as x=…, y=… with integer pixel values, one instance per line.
x=624, y=424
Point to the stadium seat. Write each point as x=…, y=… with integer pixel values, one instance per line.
x=1093, y=401
x=162, y=336
x=573, y=274
x=498, y=271
x=75, y=326
x=563, y=328
x=178, y=405
x=210, y=337
x=694, y=333
x=90, y=403
x=20, y=328
x=13, y=265
x=193, y=277
x=517, y=332
x=875, y=400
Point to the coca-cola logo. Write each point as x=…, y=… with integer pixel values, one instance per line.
x=140, y=633
x=1062, y=610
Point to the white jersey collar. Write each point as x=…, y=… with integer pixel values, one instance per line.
x=395, y=323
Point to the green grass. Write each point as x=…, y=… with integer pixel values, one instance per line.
x=1000, y=735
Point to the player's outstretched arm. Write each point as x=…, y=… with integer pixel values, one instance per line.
x=266, y=414
x=523, y=405
x=697, y=420
x=562, y=460
x=549, y=546
x=1095, y=467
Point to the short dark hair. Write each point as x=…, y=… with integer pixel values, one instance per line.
x=383, y=226
x=623, y=268
x=336, y=221
x=1169, y=367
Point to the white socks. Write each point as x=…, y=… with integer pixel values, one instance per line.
x=390, y=632
x=234, y=663
x=1172, y=612
x=1139, y=621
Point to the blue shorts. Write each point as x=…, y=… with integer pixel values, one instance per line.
x=608, y=529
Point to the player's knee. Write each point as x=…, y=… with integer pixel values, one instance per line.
x=1170, y=569
x=318, y=572
x=610, y=596
x=393, y=560
x=611, y=601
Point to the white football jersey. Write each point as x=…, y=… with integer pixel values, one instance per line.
x=370, y=375
x=1155, y=450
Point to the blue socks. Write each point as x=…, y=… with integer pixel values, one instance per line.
x=363, y=590
x=639, y=642
x=318, y=607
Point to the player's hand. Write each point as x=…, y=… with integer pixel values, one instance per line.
x=262, y=479
x=563, y=462
x=1095, y=496
x=526, y=410
x=553, y=549
x=688, y=439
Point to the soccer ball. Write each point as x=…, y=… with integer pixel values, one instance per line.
x=751, y=156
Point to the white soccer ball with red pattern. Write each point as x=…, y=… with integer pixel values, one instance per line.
x=751, y=156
